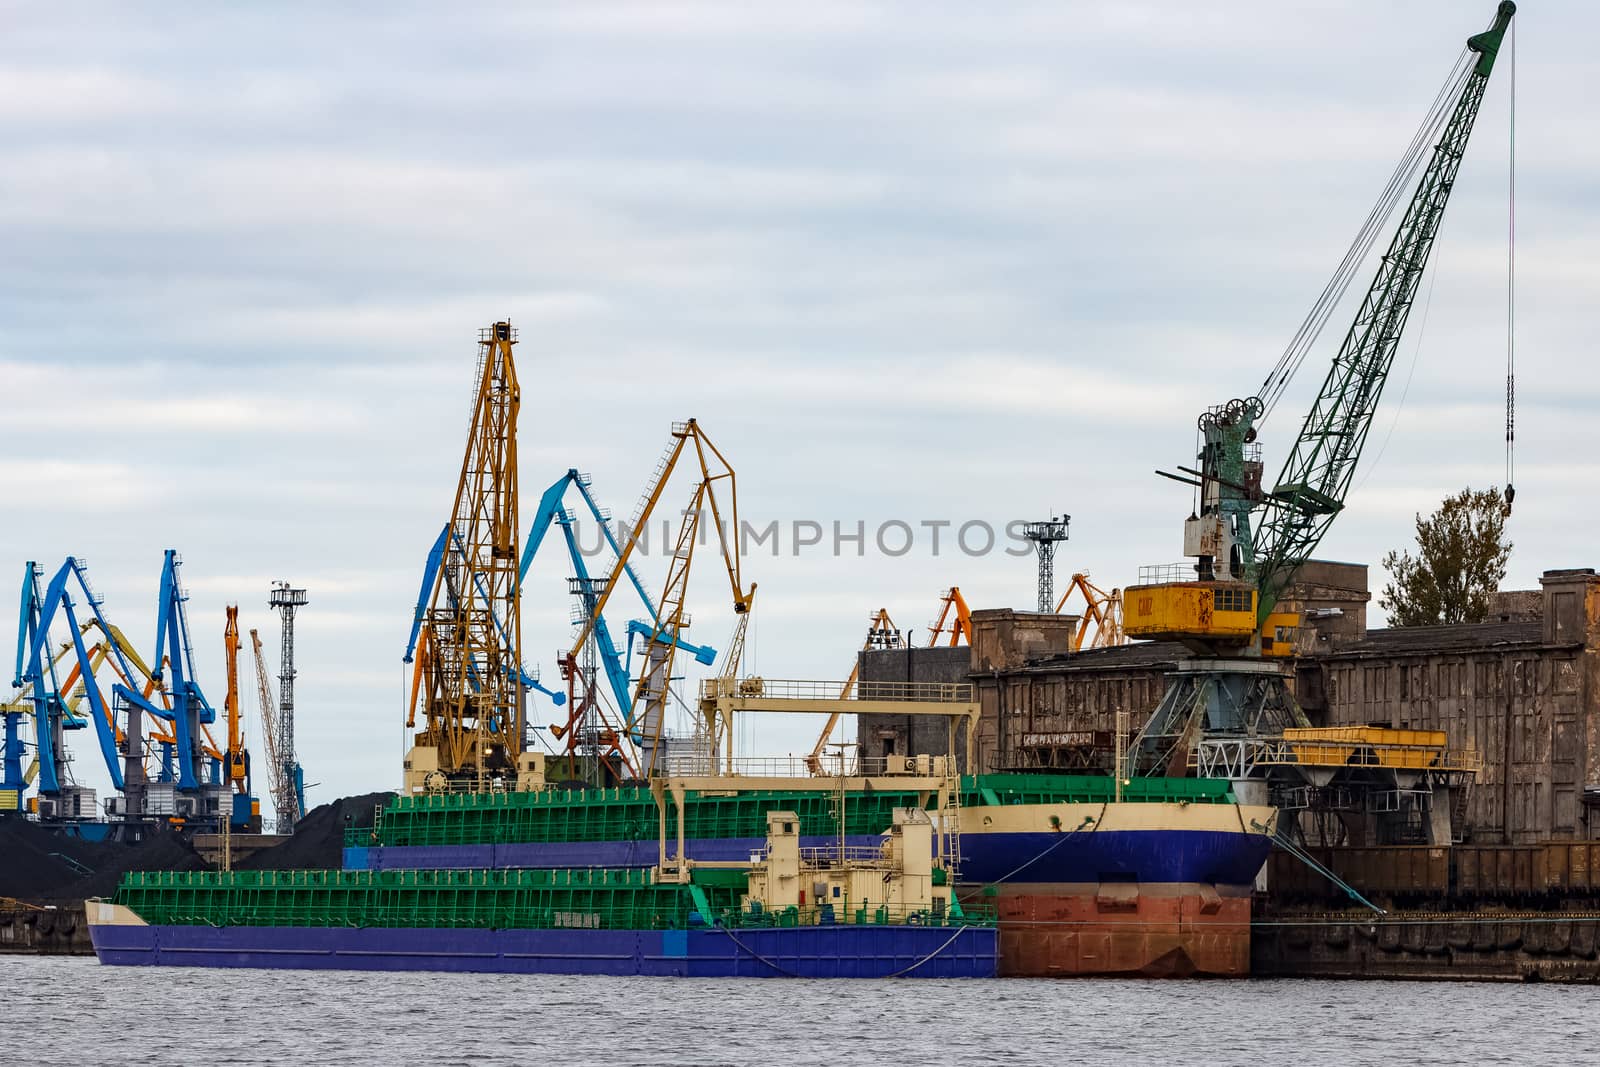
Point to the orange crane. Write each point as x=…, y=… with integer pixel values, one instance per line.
x=1102, y=614
x=960, y=626
x=881, y=633
x=236, y=763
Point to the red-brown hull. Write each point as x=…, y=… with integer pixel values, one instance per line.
x=1163, y=930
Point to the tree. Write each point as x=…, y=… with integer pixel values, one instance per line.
x=1461, y=559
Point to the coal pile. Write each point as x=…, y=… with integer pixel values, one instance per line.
x=42, y=865
x=318, y=841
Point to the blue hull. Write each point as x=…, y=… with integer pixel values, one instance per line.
x=794, y=952
x=1144, y=856
x=1149, y=856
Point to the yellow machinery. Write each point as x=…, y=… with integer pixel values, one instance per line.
x=894, y=883
x=715, y=492
x=1215, y=615
x=1102, y=614
x=469, y=681
x=235, y=764
x=1373, y=746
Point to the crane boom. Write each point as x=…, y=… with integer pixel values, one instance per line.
x=1245, y=560
x=1224, y=607
x=1315, y=480
x=237, y=763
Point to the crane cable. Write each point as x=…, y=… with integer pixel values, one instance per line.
x=1333, y=292
x=1511, y=287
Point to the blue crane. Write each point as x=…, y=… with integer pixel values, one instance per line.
x=35, y=666
x=552, y=511
x=190, y=708
x=444, y=545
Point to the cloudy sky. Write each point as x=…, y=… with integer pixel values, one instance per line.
x=918, y=262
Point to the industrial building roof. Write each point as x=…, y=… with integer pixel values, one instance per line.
x=1468, y=637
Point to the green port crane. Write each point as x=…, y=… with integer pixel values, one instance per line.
x=1315, y=480
x=1229, y=605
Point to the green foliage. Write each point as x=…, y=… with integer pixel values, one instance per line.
x=1461, y=559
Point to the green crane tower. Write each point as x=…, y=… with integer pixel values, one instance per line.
x=1248, y=540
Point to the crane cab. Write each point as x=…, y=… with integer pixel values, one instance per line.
x=1216, y=614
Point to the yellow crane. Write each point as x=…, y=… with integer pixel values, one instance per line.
x=881, y=633
x=470, y=683
x=647, y=715
x=1102, y=614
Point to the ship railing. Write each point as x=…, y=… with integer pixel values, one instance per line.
x=829, y=854
x=1168, y=573
x=696, y=765
x=757, y=688
x=858, y=913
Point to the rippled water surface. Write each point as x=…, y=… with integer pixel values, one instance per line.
x=73, y=1011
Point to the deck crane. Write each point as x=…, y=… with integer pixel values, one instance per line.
x=951, y=602
x=1102, y=614
x=647, y=708
x=288, y=783
x=881, y=633
x=1228, y=611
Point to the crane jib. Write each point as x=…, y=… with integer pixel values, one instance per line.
x=1316, y=476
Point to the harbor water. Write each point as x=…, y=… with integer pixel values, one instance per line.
x=72, y=1011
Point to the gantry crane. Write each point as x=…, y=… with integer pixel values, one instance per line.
x=180, y=714
x=184, y=705
x=881, y=633
x=648, y=706
x=37, y=670
x=951, y=602
x=1248, y=540
x=1100, y=625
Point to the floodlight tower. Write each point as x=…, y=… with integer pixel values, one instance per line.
x=288, y=796
x=1045, y=535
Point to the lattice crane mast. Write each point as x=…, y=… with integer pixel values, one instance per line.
x=1244, y=562
x=592, y=731
x=287, y=782
x=470, y=677
x=715, y=492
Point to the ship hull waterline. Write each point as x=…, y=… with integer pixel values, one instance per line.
x=843, y=951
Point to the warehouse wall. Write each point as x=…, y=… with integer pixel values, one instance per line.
x=1522, y=689
x=909, y=735
x=1529, y=708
